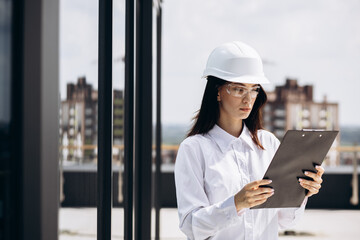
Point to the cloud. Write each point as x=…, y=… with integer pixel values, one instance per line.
x=79, y=42
x=317, y=42
x=314, y=41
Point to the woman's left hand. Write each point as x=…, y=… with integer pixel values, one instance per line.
x=315, y=185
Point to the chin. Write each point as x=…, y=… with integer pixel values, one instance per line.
x=243, y=116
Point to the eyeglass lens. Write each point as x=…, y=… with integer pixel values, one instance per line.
x=239, y=91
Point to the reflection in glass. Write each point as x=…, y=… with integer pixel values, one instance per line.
x=5, y=60
x=5, y=116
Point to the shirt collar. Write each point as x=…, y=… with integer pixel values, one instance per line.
x=223, y=139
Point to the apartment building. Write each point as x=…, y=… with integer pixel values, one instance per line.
x=292, y=107
x=79, y=121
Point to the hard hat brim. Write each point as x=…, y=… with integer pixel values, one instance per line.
x=250, y=79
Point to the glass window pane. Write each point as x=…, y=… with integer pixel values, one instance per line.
x=78, y=118
x=117, y=214
x=5, y=60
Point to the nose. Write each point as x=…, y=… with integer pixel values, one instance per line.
x=247, y=97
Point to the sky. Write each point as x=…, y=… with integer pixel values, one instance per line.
x=316, y=42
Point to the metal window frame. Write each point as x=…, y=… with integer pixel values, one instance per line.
x=15, y=225
x=105, y=105
x=129, y=118
x=158, y=121
x=138, y=119
x=143, y=119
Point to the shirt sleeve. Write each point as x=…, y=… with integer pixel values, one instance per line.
x=198, y=219
x=288, y=217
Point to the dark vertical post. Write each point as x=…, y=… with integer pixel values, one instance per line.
x=158, y=122
x=129, y=118
x=104, y=181
x=40, y=136
x=16, y=224
x=143, y=119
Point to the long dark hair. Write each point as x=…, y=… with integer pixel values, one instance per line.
x=209, y=112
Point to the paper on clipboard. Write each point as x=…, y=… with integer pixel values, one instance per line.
x=300, y=150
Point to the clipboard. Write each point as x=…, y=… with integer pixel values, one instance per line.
x=299, y=151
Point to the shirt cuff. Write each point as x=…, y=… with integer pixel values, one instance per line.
x=230, y=204
x=229, y=207
x=301, y=209
x=304, y=202
x=241, y=212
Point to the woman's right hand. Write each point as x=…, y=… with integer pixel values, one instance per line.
x=252, y=195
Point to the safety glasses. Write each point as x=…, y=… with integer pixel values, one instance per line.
x=241, y=91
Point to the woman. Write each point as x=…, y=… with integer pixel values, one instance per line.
x=220, y=164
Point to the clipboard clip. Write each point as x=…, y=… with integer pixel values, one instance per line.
x=312, y=130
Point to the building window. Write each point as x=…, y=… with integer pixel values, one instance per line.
x=279, y=133
x=71, y=131
x=72, y=111
x=88, y=111
x=306, y=113
x=88, y=121
x=279, y=123
x=88, y=132
x=280, y=113
x=322, y=124
x=322, y=113
x=306, y=123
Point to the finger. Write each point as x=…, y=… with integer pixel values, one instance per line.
x=256, y=184
x=251, y=198
x=309, y=186
x=320, y=169
x=262, y=190
x=258, y=202
x=256, y=197
x=262, y=196
x=310, y=183
x=314, y=176
x=311, y=189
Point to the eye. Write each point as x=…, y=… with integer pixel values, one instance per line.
x=255, y=89
x=239, y=90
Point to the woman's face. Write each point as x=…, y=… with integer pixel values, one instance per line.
x=236, y=100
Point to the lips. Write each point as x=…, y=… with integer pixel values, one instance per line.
x=245, y=109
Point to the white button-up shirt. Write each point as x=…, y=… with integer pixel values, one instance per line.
x=209, y=170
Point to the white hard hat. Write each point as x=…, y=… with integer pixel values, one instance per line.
x=236, y=62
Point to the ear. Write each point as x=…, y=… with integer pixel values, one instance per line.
x=218, y=97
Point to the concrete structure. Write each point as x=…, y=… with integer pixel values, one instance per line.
x=80, y=224
x=79, y=121
x=292, y=107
